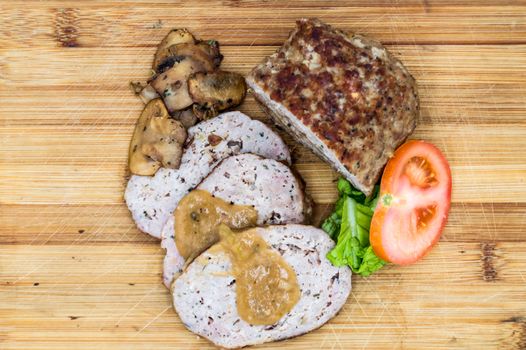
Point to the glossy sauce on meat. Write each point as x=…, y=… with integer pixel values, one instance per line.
x=198, y=216
x=266, y=286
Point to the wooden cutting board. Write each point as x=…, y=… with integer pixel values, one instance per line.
x=75, y=273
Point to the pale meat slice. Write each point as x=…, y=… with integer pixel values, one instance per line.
x=204, y=295
x=152, y=200
x=246, y=179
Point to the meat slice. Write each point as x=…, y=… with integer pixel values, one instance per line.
x=343, y=96
x=204, y=295
x=152, y=200
x=247, y=179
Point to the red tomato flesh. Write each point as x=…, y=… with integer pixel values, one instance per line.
x=415, y=196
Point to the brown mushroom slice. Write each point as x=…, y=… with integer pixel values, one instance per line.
x=172, y=85
x=136, y=87
x=157, y=140
x=186, y=117
x=148, y=93
x=215, y=91
x=145, y=92
x=203, y=53
x=174, y=37
x=177, y=36
x=211, y=47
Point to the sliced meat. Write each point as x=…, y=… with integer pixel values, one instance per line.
x=204, y=295
x=151, y=200
x=246, y=179
x=343, y=96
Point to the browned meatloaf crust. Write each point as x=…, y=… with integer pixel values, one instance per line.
x=344, y=96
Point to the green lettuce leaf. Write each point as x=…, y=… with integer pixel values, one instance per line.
x=370, y=263
x=344, y=186
x=332, y=224
x=349, y=226
x=347, y=242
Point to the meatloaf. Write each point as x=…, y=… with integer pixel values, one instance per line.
x=342, y=95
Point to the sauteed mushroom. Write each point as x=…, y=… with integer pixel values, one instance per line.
x=174, y=37
x=172, y=85
x=215, y=91
x=208, y=55
x=157, y=140
x=186, y=117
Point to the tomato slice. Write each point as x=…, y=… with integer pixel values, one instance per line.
x=415, y=196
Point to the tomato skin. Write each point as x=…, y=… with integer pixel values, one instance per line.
x=375, y=232
x=415, y=197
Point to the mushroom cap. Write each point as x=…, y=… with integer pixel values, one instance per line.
x=174, y=37
x=157, y=140
x=215, y=91
x=172, y=85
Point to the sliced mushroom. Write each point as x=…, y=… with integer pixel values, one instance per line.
x=148, y=93
x=177, y=36
x=136, y=87
x=211, y=47
x=168, y=62
x=174, y=37
x=157, y=140
x=172, y=84
x=215, y=91
x=186, y=117
x=206, y=54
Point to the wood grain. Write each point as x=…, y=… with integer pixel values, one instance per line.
x=106, y=23
x=111, y=298
x=38, y=224
x=75, y=273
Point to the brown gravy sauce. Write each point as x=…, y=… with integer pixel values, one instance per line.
x=266, y=285
x=197, y=218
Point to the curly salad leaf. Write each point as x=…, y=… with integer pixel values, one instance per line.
x=349, y=226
